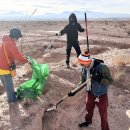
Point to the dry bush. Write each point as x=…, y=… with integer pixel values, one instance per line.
x=121, y=70
x=121, y=60
x=117, y=74
x=120, y=63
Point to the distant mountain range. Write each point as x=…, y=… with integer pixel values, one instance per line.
x=63, y=16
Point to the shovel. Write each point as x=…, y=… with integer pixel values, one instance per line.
x=52, y=107
x=86, y=32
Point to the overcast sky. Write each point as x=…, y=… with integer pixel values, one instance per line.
x=59, y=6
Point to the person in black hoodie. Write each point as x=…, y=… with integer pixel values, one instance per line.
x=71, y=30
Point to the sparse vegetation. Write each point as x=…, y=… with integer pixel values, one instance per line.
x=111, y=45
x=122, y=60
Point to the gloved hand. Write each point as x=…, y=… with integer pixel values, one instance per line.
x=84, y=29
x=58, y=34
x=71, y=94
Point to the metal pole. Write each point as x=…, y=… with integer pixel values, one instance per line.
x=86, y=32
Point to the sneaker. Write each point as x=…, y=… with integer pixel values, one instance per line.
x=84, y=124
x=68, y=66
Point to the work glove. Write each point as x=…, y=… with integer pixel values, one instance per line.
x=71, y=94
x=58, y=34
x=84, y=29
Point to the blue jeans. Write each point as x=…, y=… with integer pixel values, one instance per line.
x=9, y=88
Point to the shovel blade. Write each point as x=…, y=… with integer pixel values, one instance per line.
x=51, y=107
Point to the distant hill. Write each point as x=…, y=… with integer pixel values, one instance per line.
x=63, y=16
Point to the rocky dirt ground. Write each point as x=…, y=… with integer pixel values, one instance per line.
x=109, y=41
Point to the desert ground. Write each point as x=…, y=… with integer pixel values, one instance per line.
x=108, y=40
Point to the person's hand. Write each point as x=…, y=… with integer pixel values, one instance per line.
x=84, y=29
x=58, y=34
x=71, y=94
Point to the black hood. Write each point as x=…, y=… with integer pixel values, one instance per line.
x=73, y=16
x=97, y=62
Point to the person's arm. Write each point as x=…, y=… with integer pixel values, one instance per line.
x=80, y=29
x=16, y=53
x=106, y=76
x=62, y=32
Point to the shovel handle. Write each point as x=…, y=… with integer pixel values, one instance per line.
x=86, y=31
x=61, y=100
x=77, y=89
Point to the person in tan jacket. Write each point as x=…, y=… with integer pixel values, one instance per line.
x=8, y=53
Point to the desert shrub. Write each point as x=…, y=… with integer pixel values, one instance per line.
x=120, y=62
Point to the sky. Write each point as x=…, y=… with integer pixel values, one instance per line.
x=59, y=6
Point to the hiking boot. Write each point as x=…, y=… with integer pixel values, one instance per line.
x=68, y=66
x=67, y=63
x=84, y=124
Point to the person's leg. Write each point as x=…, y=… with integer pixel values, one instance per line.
x=9, y=88
x=77, y=48
x=2, y=81
x=102, y=106
x=90, y=105
x=68, y=51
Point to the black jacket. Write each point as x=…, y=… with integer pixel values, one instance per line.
x=72, y=29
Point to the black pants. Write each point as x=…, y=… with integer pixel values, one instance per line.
x=68, y=50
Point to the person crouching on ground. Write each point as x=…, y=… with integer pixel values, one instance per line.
x=99, y=78
x=8, y=53
x=72, y=36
